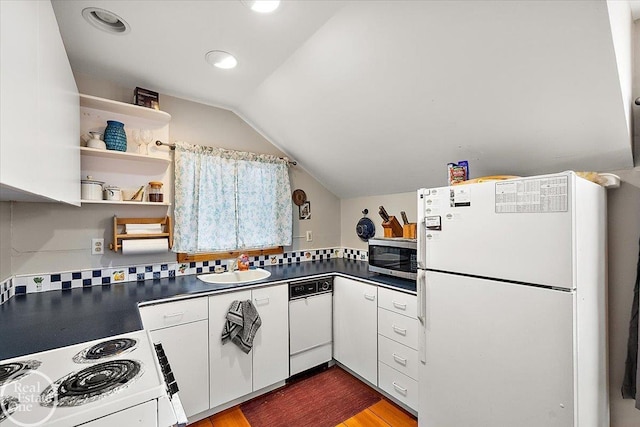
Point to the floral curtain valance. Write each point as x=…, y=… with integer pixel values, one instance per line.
x=227, y=200
x=229, y=154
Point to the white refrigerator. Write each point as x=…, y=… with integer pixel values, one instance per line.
x=511, y=291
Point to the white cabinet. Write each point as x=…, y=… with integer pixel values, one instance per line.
x=355, y=330
x=39, y=109
x=182, y=328
x=230, y=368
x=398, y=330
x=235, y=374
x=400, y=386
x=398, y=327
x=271, y=344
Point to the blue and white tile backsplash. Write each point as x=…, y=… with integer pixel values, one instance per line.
x=7, y=290
x=26, y=284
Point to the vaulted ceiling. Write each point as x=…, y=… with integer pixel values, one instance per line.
x=376, y=97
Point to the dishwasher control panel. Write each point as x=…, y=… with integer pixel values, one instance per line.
x=308, y=288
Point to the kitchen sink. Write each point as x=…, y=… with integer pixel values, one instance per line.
x=232, y=277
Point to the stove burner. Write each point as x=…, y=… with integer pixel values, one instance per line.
x=8, y=406
x=16, y=370
x=91, y=383
x=105, y=349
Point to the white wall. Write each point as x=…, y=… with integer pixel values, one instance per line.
x=351, y=212
x=50, y=237
x=621, y=33
x=5, y=240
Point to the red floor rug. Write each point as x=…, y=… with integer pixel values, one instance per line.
x=325, y=399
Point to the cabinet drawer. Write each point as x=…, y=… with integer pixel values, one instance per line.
x=398, y=356
x=398, y=385
x=399, y=328
x=174, y=313
x=398, y=302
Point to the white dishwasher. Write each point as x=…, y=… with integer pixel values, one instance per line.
x=310, y=320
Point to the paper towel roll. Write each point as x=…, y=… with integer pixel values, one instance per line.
x=144, y=246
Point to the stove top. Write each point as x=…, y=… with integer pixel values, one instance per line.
x=92, y=383
x=106, y=349
x=8, y=406
x=13, y=371
x=80, y=383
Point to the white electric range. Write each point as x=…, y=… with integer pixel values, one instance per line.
x=122, y=380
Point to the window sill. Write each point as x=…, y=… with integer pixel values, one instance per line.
x=212, y=256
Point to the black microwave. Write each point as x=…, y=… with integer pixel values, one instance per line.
x=394, y=257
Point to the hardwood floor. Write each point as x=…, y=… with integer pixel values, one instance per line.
x=323, y=397
x=382, y=413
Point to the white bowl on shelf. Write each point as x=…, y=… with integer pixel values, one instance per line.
x=128, y=193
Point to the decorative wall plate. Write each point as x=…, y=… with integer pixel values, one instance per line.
x=299, y=197
x=365, y=229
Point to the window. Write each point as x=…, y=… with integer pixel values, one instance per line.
x=227, y=200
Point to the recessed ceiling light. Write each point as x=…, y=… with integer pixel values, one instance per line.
x=262, y=6
x=221, y=59
x=105, y=20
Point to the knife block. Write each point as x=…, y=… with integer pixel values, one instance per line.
x=392, y=228
x=409, y=230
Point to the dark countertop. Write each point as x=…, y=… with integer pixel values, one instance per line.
x=47, y=320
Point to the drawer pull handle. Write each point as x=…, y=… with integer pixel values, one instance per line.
x=168, y=316
x=370, y=297
x=399, y=306
x=400, y=360
x=258, y=300
x=400, y=331
x=402, y=390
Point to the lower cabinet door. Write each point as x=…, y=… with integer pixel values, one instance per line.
x=271, y=344
x=229, y=367
x=398, y=385
x=400, y=357
x=187, y=349
x=355, y=331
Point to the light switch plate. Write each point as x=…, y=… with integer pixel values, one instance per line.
x=309, y=236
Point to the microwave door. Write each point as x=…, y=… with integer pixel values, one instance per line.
x=395, y=259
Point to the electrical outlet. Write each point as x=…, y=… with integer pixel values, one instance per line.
x=97, y=246
x=309, y=236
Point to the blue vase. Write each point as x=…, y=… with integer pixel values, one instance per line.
x=114, y=136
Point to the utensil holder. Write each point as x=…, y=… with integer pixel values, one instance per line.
x=409, y=230
x=392, y=228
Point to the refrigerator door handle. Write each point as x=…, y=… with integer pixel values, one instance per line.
x=422, y=249
x=422, y=318
x=420, y=296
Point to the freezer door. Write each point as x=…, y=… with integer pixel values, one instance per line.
x=497, y=355
x=520, y=230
